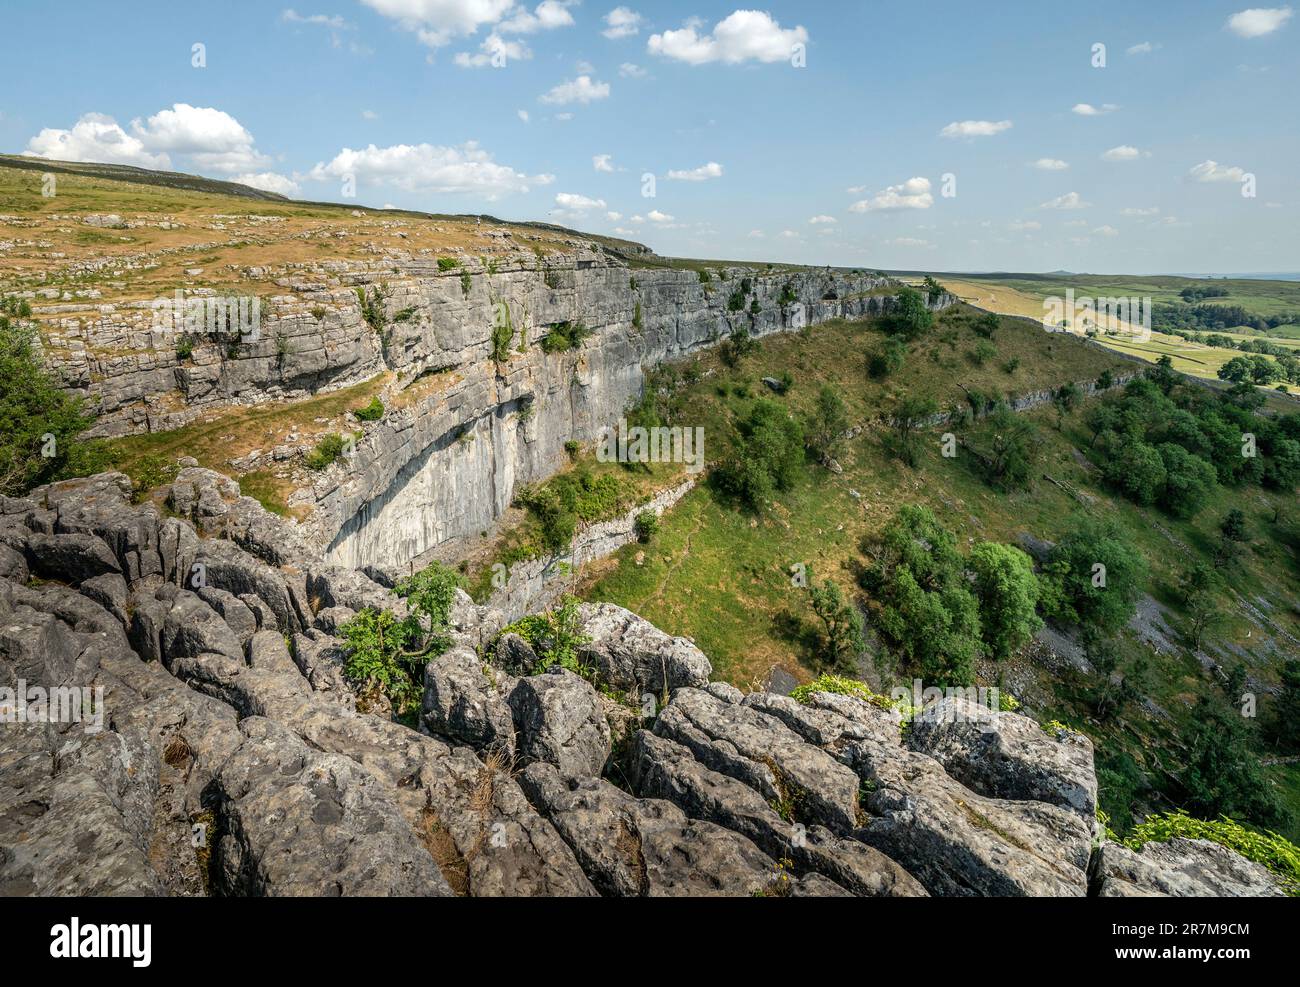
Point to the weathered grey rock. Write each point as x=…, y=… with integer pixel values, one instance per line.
x=725, y=691
x=663, y=769
x=515, y=655
x=763, y=752
x=296, y=821
x=193, y=628
x=268, y=651
x=631, y=653
x=75, y=812
x=558, y=719
x=36, y=647
x=110, y=592
x=1005, y=755
x=234, y=611
x=70, y=557
x=13, y=565
x=958, y=842
x=1180, y=868
x=645, y=847
x=463, y=703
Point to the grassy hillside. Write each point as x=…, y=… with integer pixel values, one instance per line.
x=722, y=575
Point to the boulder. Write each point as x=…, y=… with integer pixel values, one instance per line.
x=1008, y=756
x=559, y=720
x=631, y=653
x=645, y=847
x=1180, y=868
x=70, y=557
x=463, y=703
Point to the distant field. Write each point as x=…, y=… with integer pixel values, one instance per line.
x=1023, y=294
x=1263, y=298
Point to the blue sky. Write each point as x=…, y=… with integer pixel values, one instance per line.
x=1137, y=166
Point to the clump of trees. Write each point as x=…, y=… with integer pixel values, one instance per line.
x=1164, y=443
x=768, y=455
x=941, y=611
x=1093, y=576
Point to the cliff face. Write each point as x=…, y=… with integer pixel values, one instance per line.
x=477, y=406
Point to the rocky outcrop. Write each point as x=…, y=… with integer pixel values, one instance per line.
x=1180, y=868
x=198, y=736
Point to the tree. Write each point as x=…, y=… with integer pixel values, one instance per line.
x=1284, y=725
x=430, y=594
x=1012, y=448
x=1237, y=370
x=1197, y=589
x=910, y=414
x=925, y=608
x=38, y=441
x=890, y=359
x=910, y=318
x=827, y=425
x=1094, y=575
x=1163, y=374
x=769, y=455
x=1007, y=590
x=1223, y=776
x=1232, y=534
x=1138, y=471
x=1188, y=481
x=986, y=325
x=842, y=620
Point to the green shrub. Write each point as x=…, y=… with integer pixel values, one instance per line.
x=572, y=447
x=841, y=686
x=909, y=317
x=372, y=306
x=377, y=659
x=448, y=264
x=646, y=526
x=565, y=336
x=1007, y=590
x=371, y=412
x=890, y=359
x=466, y=283
x=184, y=346
x=327, y=451
x=768, y=457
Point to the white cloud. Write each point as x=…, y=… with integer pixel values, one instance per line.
x=269, y=181
x=790, y=235
x=577, y=203
x=1143, y=48
x=912, y=194
x=1143, y=211
x=523, y=115
x=1049, y=164
x=579, y=90
x=739, y=37
x=1212, y=171
x=613, y=216
x=1075, y=224
x=1125, y=152
x=494, y=50
x=1025, y=226
x=655, y=216
x=437, y=22
x=212, y=137
x=548, y=15
x=334, y=21
x=602, y=162
x=1071, y=200
x=700, y=174
x=1258, y=21
x=1088, y=110
x=369, y=115
x=975, y=128
x=630, y=70
x=757, y=235
x=429, y=168
x=94, y=137
x=816, y=220
x=621, y=22
x=907, y=241
x=213, y=140
x=1106, y=231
